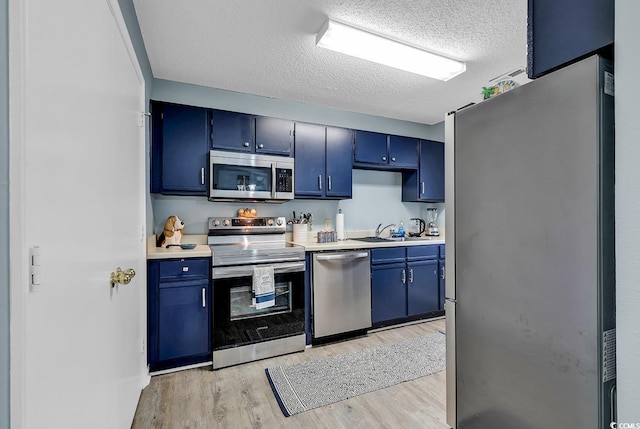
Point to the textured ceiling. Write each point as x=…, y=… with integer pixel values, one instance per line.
x=267, y=48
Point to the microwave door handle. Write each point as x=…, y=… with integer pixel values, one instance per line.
x=273, y=181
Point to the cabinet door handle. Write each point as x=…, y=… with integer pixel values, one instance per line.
x=185, y=269
x=384, y=158
x=329, y=179
x=422, y=188
x=320, y=181
x=260, y=146
x=202, y=175
x=410, y=275
x=393, y=158
x=246, y=144
x=204, y=298
x=442, y=272
x=404, y=276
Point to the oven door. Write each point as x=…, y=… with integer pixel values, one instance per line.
x=237, y=321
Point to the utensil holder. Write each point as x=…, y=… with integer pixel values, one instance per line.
x=299, y=232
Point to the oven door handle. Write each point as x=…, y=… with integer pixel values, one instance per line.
x=247, y=270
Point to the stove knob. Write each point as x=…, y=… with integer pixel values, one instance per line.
x=279, y=221
x=226, y=222
x=216, y=222
x=270, y=222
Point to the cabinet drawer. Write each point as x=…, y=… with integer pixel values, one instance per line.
x=387, y=255
x=422, y=252
x=183, y=283
x=185, y=269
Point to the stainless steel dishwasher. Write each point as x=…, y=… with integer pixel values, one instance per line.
x=341, y=292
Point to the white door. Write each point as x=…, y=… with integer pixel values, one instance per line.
x=78, y=168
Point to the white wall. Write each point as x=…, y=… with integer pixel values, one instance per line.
x=194, y=95
x=370, y=188
x=376, y=199
x=627, y=64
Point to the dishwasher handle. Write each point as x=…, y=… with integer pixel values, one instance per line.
x=347, y=256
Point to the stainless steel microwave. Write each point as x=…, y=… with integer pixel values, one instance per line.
x=242, y=176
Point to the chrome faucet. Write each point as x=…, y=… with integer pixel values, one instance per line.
x=379, y=231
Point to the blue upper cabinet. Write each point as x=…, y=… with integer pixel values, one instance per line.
x=339, y=162
x=180, y=149
x=242, y=132
x=403, y=152
x=310, y=160
x=382, y=151
x=563, y=31
x=426, y=183
x=232, y=131
x=323, y=161
x=274, y=136
x=371, y=148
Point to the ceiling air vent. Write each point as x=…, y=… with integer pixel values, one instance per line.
x=519, y=75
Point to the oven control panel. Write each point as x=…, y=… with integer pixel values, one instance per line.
x=250, y=225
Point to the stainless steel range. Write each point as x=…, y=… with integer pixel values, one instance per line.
x=242, y=331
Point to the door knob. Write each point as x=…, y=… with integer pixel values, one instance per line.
x=122, y=277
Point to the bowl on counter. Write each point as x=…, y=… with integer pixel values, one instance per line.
x=185, y=246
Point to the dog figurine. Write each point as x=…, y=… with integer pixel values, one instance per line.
x=172, y=233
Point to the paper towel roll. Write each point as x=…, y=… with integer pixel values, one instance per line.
x=340, y=225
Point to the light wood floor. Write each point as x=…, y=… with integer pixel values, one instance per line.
x=240, y=396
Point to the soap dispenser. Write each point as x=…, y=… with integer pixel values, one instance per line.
x=401, y=229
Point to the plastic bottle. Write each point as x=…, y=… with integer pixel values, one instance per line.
x=401, y=229
x=340, y=225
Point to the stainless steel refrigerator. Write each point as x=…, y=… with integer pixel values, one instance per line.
x=530, y=298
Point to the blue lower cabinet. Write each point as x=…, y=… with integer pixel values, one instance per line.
x=388, y=292
x=404, y=284
x=441, y=282
x=423, y=294
x=178, y=312
x=183, y=322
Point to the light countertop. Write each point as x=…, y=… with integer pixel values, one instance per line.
x=349, y=244
x=202, y=250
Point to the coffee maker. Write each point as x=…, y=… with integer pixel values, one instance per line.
x=432, y=217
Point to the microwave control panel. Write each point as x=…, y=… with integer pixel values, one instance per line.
x=284, y=180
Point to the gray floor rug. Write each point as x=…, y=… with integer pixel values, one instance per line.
x=316, y=383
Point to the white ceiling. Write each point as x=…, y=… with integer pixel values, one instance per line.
x=267, y=48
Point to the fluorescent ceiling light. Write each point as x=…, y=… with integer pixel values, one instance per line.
x=368, y=46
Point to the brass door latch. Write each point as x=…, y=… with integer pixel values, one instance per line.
x=122, y=277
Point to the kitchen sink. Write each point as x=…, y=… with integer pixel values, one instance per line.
x=371, y=239
x=380, y=239
x=383, y=239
